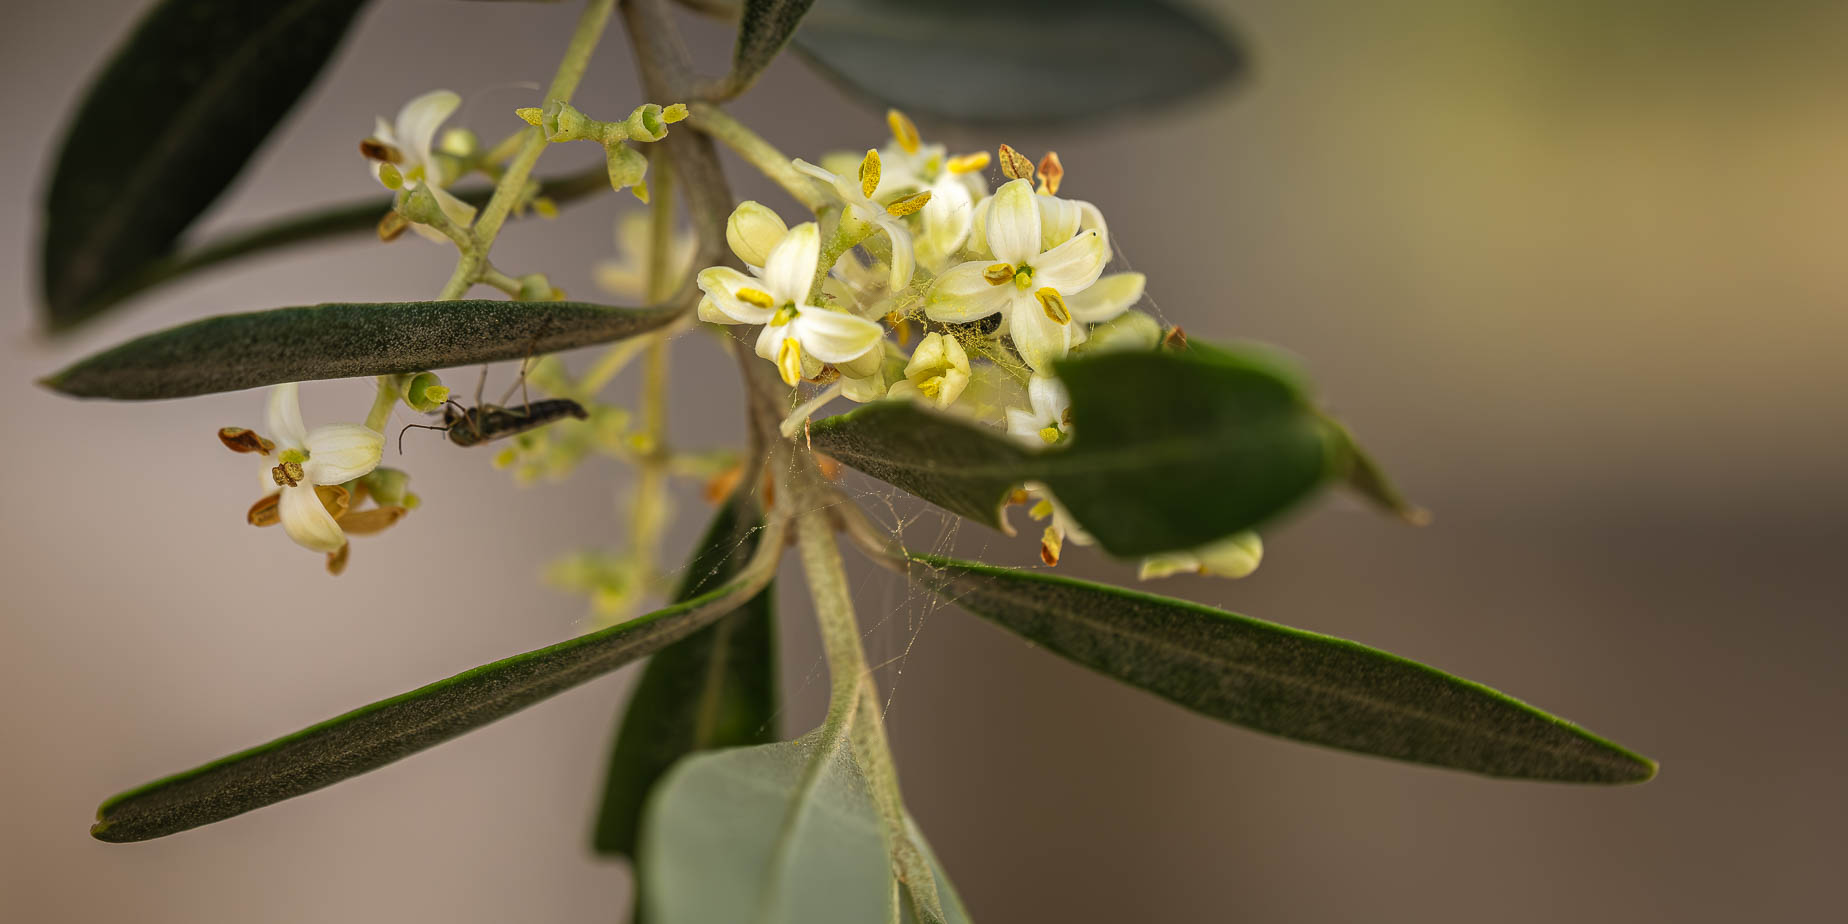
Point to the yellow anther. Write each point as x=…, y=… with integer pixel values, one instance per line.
x=266, y=511
x=968, y=163
x=869, y=172
x=755, y=298
x=1015, y=165
x=1050, y=434
x=1041, y=510
x=545, y=207
x=390, y=177
x=374, y=149
x=392, y=224
x=1050, y=542
x=909, y=204
x=532, y=115
x=1050, y=173
x=783, y=315
x=999, y=274
x=789, y=360
x=674, y=113
x=1053, y=304
x=931, y=386
x=903, y=131
x=238, y=439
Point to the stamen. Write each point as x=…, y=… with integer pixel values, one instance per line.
x=968, y=163
x=337, y=559
x=931, y=386
x=267, y=511
x=391, y=226
x=374, y=149
x=999, y=274
x=783, y=315
x=756, y=298
x=1050, y=173
x=1050, y=541
x=1050, y=434
x=1053, y=304
x=288, y=474
x=1041, y=510
x=869, y=173
x=789, y=361
x=903, y=131
x=238, y=439
x=909, y=204
x=1015, y=165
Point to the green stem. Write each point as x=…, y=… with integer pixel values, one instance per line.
x=651, y=480
x=757, y=152
x=570, y=71
x=382, y=402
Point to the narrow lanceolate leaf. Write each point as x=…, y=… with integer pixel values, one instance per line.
x=1284, y=681
x=713, y=689
x=331, y=223
x=166, y=127
x=1021, y=61
x=372, y=736
x=235, y=351
x=1169, y=450
x=781, y=832
x=764, y=27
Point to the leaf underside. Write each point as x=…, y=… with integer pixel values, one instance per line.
x=1230, y=444
x=338, y=340
x=165, y=128
x=1027, y=61
x=764, y=27
x=1287, y=682
x=716, y=688
x=375, y=735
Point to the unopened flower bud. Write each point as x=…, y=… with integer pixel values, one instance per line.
x=566, y=123
x=752, y=230
x=534, y=287
x=646, y=123
x=423, y=392
x=420, y=207
x=1130, y=331
x=388, y=486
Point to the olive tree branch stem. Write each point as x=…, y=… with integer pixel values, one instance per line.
x=719, y=124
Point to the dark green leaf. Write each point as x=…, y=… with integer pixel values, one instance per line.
x=764, y=27
x=1169, y=450
x=372, y=736
x=713, y=689
x=338, y=340
x=334, y=222
x=1020, y=61
x=779, y=832
x=1284, y=681
x=166, y=127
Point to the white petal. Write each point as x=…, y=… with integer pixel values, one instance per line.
x=1037, y=338
x=339, y=453
x=307, y=521
x=790, y=268
x=978, y=227
x=1072, y=266
x=1059, y=220
x=1049, y=399
x=903, y=263
x=1026, y=427
x=418, y=122
x=459, y=213
x=803, y=166
x=1105, y=299
x=1094, y=221
x=771, y=338
x=721, y=285
x=962, y=294
x=381, y=131
x=1014, y=224
x=1234, y=557
x=285, y=416
x=835, y=337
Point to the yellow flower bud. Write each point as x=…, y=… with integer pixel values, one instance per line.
x=752, y=231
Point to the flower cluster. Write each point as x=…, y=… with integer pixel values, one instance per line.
x=917, y=282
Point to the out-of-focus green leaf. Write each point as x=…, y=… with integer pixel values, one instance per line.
x=783, y=832
x=1284, y=681
x=338, y=340
x=1022, y=61
x=764, y=27
x=1169, y=450
x=165, y=128
x=713, y=689
x=372, y=736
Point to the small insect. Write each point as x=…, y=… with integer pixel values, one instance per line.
x=473, y=426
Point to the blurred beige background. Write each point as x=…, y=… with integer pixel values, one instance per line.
x=1575, y=270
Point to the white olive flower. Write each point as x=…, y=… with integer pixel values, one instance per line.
x=944, y=223
x=910, y=165
x=302, y=459
x=1029, y=286
x=937, y=373
x=1233, y=557
x=798, y=336
x=405, y=146
x=1061, y=529
x=1050, y=420
x=626, y=274
x=856, y=195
